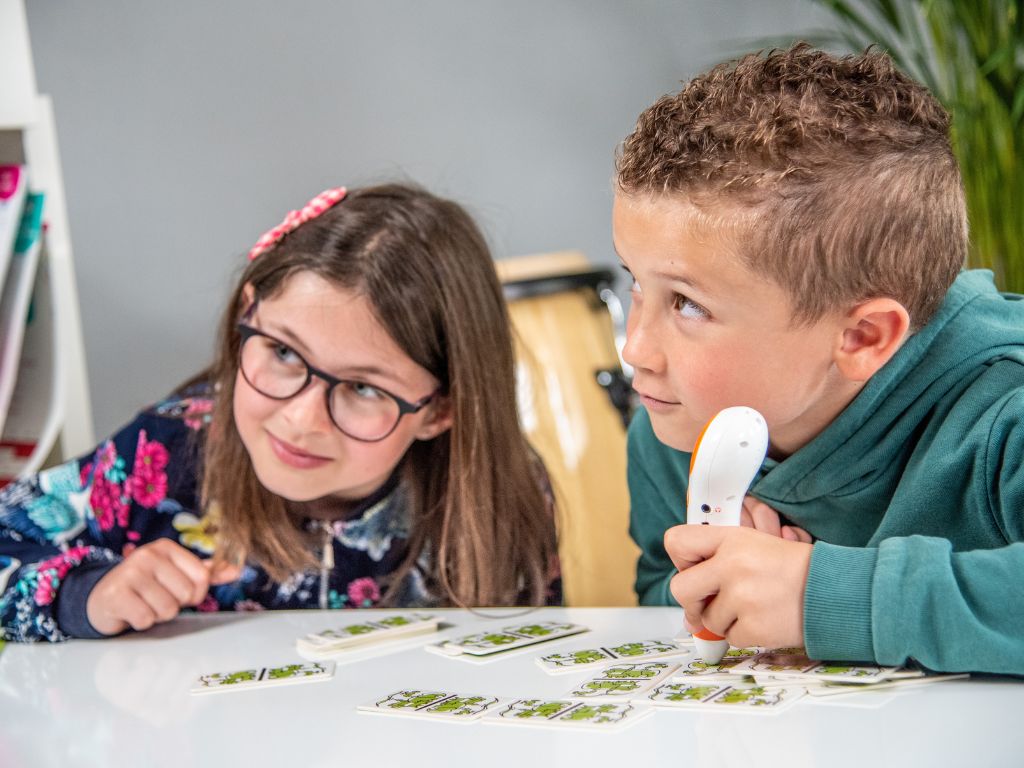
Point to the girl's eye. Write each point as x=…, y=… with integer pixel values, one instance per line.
x=285, y=354
x=689, y=309
x=365, y=391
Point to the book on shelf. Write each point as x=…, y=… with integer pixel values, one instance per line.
x=13, y=188
x=33, y=414
x=16, y=295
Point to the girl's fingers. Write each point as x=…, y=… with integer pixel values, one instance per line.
x=161, y=602
x=223, y=573
x=179, y=583
x=135, y=611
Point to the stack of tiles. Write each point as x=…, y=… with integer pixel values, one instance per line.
x=630, y=680
x=633, y=650
x=434, y=705
x=332, y=641
x=769, y=681
x=485, y=646
x=567, y=714
x=467, y=708
x=791, y=666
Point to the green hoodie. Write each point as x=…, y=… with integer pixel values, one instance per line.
x=914, y=494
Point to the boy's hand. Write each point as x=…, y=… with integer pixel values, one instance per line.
x=759, y=516
x=757, y=581
x=152, y=585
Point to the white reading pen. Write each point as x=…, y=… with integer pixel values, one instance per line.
x=725, y=460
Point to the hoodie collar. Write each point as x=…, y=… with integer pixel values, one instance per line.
x=974, y=324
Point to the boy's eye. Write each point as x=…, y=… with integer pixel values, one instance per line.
x=634, y=285
x=689, y=309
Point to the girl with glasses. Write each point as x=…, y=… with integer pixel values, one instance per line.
x=354, y=444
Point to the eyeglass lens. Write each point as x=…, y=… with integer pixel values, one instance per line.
x=358, y=409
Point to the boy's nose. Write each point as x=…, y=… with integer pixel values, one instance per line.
x=641, y=349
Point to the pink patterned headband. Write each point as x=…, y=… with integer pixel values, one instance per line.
x=311, y=210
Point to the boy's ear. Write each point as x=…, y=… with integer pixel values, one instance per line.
x=438, y=421
x=872, y=332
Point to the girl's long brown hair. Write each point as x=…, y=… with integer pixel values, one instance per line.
x=476, y=507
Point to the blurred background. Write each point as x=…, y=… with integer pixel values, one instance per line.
x=186, y=129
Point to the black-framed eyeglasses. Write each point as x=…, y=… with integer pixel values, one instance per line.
x=362, y=411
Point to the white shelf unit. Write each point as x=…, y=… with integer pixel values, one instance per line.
x=51, y=407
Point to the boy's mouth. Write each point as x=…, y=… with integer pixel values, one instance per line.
x=651, y=400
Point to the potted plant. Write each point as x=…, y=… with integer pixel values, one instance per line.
x=970, y=54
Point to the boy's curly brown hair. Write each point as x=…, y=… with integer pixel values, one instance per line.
x=836, y=174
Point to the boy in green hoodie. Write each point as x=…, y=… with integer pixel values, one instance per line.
x=796, y=231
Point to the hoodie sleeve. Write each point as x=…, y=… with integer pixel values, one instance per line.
x=47, y=531
x=919, y=597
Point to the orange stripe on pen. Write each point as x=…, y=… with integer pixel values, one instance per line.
x=707, y=634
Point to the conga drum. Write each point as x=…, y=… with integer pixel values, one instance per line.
x=573, y=406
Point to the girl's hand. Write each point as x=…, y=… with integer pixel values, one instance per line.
x=759, y=516
x=152, y=585
x=757, y=580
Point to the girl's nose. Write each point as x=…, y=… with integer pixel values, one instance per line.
x=308, y=409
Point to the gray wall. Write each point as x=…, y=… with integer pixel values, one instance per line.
x=188, y=128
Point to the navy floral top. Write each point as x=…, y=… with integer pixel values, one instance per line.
x=63, y=529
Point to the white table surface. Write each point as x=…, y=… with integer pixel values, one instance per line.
x=126, y=702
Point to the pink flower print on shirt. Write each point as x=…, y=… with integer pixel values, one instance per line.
x=150, y=456
x=106, y=457
x=209, y=605
x=108, y=503
x=148, y=491
x=53, y=570
x=363, y=592
x=132, y=543
x=46, y=589
x=148, y=481
x=198, y=413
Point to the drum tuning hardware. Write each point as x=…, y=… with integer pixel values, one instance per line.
x=619, y=391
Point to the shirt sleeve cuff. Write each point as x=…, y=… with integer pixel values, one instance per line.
x=837, y=603
x=75, y=588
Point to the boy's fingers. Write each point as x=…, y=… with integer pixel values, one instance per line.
x=692, y=589
x=793, y=533
x=765, y=518
x=688, y=545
